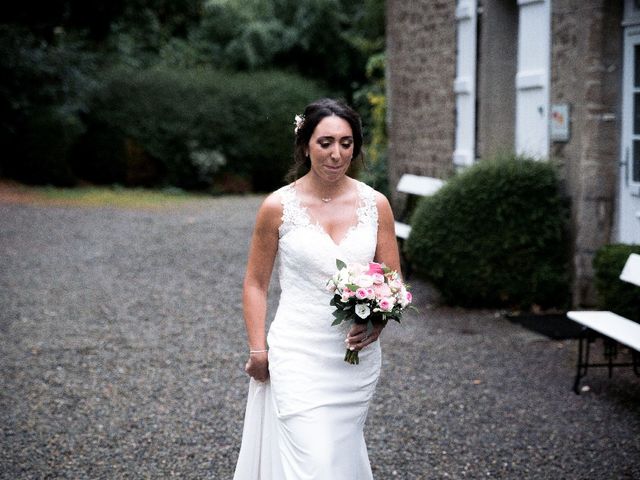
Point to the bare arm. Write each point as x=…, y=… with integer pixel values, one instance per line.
x=387, y=253
x=262, y=253
x=387, y=248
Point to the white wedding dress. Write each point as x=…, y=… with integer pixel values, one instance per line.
x=307, y=421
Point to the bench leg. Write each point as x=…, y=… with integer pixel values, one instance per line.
x=582, y=365
x=405, y=264
x=610, y=352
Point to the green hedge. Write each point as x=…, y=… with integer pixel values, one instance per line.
x=41, y=152
x=495, y=235
x=185, y=127
x=620, y=297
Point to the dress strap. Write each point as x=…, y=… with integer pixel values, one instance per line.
x=367, y=210
x=292, y=213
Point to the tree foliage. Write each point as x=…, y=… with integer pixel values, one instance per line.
x=57, y=59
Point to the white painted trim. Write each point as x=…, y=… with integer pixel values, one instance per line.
x=464, y=11
x=531, y=79
x=463, y=85
x=527, y=2
x=462, y=158
x=631, y=14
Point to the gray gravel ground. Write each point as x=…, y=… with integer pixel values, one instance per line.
x=122, y=349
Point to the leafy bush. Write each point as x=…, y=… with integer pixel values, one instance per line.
x=188, y=125
x=41, y=155
x=372, y=101
x=43, y=88
x=614, y=294
x=495, y=235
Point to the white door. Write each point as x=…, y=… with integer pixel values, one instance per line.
x=629, y=191
x=532, y=79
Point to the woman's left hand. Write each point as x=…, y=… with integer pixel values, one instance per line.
x=358, y=337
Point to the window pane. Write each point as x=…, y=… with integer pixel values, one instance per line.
x=636, y=113
x=636, y=66
x=635, y=166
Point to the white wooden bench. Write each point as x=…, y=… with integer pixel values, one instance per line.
x=612, y=327
x=414, y=185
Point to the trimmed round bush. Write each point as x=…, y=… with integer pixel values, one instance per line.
x=187, y=127
x=614, y=294
x=495, y=236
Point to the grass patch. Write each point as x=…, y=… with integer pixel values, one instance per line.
x=93, y=196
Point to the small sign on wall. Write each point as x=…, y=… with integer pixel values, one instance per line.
x=560, y=122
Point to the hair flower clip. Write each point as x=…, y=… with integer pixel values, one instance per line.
x=298, y=122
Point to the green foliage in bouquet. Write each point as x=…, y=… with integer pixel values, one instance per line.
x=614, y=294
x=496, y=235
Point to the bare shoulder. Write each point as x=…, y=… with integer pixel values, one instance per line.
x=382, y=202
x=270, y=212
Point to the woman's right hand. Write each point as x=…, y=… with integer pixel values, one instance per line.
x=258, y=366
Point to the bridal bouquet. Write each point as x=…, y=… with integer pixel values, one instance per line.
x=366, y=293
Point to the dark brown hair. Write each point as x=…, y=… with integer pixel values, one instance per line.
x=313, y=114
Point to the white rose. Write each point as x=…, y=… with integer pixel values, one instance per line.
x=362, y=310
x=364, y=281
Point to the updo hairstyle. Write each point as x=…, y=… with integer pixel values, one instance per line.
x=313, y=114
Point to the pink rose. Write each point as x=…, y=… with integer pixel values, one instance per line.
x=378, y=278
x=386, y=304
x=382, y=290
x=361, y=293
x=371, y=294
x=405, y=297
x=375, y=268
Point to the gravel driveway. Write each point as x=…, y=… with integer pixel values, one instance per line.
x=122, y=350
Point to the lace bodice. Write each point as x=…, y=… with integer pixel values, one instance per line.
x=295, y=215
x=308, y=253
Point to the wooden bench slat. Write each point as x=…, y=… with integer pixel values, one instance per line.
x=417, y=185
x=631, y=271
x=402, y=230
x=610, y=324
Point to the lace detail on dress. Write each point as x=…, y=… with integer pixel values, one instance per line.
x=293, y=215
x=367, y=209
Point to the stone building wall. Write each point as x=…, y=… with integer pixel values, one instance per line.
x=586, y=74
x=421, y=55
x=586, y=68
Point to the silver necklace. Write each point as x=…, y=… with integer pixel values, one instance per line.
x=326, y=199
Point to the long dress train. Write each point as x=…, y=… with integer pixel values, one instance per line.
x=306, y=422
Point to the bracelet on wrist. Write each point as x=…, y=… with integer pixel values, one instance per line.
x=251, y=352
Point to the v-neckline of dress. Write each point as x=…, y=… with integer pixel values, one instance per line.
x=313, y=222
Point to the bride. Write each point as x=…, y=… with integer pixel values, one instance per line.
x=307, y=407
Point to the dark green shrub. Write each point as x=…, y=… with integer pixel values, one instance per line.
x=41, y=155
x=495, y=235
x=43, y=88
x=189, y=125
x=620, y=297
